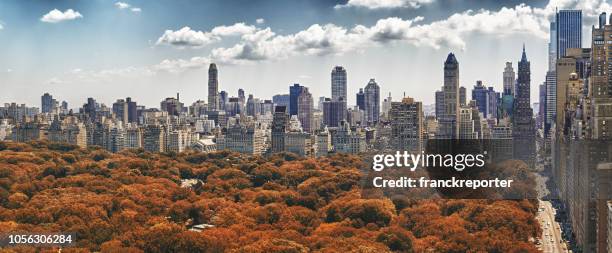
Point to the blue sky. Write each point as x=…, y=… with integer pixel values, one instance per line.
x=150, y=50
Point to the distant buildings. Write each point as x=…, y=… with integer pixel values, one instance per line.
x=213, y=88
x=523, y=122
x=372, y=102
x=448, y=120
x=406, y=119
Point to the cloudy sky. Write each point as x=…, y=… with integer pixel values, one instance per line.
x=150, y=50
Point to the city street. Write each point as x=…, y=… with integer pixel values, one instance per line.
x=551, y=240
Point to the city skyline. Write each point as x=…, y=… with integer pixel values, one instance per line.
x=168, y=59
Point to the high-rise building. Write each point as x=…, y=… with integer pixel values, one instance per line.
x=338, y=83
x=281, y=100
x=171, y=105
x=509, y=79
x=120, y=110
x=523, y=123
x=223, y=100
x=361, y=99
x=566, y=66
x=280, y=125
x=462, y=96
x=439, y=104
x=600, y=86
x=154, y=138
x=213, y=87
x=253, y=107
x=333, y=112
x=406, y=119
x=132, y=110
x=386, y=106
x=448, y=122
x=552, y=47
x=551, y=100
x=305, y=109
x=372, y=102
x=541, y=106
x=233, y=107
x=48, y=104
x=569, y=30
x=294, y=92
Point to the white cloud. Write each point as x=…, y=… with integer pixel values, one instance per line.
x=136, y=9
x=1, y=26
x=55, y=16
x=186, y=37
x=264, y=44
x=384, y=4
x=260, y=21
x=122, y=5
x=9, y=70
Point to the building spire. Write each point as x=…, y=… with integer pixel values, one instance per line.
x=524, y=56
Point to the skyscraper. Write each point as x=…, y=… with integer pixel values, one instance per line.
x=333, y=112
x=305, y=109
x=338, y=83
x=132, y=110
x=280, y=124
x=448, y=122
x=551, y=100
x=509, y=79
x=462, y=96
x=120, y=110
x=406, y=119
x=213, y=88
x=46, y=103
x=361, y=99
x=523, y=131
x=294, y=92
x=569, y=30
x=372, y=102
x=552, y=47
x=601, y=80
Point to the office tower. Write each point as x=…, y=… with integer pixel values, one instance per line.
x=253, y=106
x=64, y=107
x=241, y=96
x=233, y=107
x=305, y=109
x=439, y=104
x=223, y=100
x=552, y=46
x=566, y=66
x=280, y=125
x=281, y=100
x=600, y=87
x=462, y=96
x=154, y=138
x=372, y=102
x=294, y=92
x=333, y=112
x=48, y=104
x=406, y=119
x=172, y=105
x=509, y=79
x=361, y=99
x=213, y=88
x=132, y=110
x=386, y=106
x=541, y=106
x=338, y=83
x=523, y=124
x=90, y=109
x=551, y=100
x=449, y=128
x=120, y=110
x=480, y=95
x=267, y=107
x=568, y=30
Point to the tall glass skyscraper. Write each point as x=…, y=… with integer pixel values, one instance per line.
x=294, y=92
x=338, y=83
x=569, y=30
